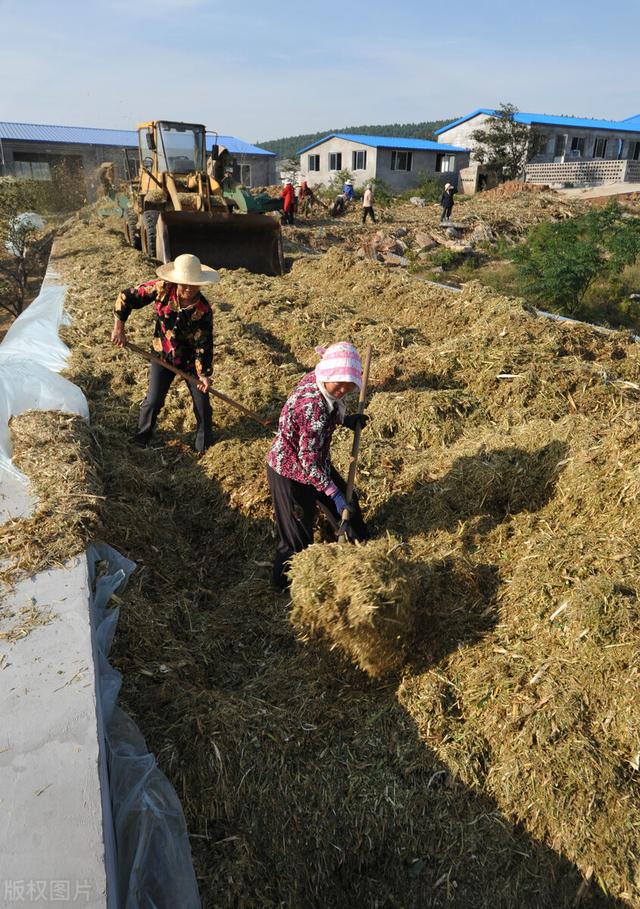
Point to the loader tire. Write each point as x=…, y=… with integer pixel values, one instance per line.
x=131, y=229
x=148, y=233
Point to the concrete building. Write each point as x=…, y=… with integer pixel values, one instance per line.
x=401, y=163
x=572, y=149
x=42, y=152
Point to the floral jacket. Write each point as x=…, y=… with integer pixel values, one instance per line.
x=183, y=337
x=301, y=448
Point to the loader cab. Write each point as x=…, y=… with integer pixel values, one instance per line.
x=175, y=148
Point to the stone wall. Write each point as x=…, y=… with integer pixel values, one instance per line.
x=584, y=173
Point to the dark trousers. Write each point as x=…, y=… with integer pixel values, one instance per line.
x=288, y=216
x=446, y=212
x=368, y=210
x=160, y=380
x=294, y=505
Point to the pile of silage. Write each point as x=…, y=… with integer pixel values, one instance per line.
x=57, y=453
x=502, y=448
x=363, y=599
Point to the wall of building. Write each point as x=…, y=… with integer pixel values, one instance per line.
x=582, y=172
x=461, y=135
x=263, y=171
x=620, y=145
x=346, y=148
x=90, y=157
x=422, y=163
x=378, y=165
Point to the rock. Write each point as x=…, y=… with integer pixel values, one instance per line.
x=424, y=256
x=424, y=241
x=416, y=200
x=393, y=259
x=400, y=232
x=481, y=233
x=400, y=247
x=453, y=233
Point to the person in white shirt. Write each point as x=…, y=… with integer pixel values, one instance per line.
x=367, y=204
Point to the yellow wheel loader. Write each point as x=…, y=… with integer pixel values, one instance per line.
x=181, y=203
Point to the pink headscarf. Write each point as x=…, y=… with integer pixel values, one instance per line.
x=339, y=363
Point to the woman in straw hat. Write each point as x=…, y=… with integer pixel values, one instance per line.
x=299, y=464
x=183, y=336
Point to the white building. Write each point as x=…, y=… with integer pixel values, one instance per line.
x=401, y=163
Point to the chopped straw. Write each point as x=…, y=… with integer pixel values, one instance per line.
x=500, y=768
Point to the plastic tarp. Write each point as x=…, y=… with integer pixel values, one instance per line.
x=155, y=869
x=153, y=855
x=31, y=356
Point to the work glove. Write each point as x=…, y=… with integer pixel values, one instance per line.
x=340, y=502
x=346, y=530
x=352, y=420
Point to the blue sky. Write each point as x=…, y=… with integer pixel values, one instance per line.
x=260, y=70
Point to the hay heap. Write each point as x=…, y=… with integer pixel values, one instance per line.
x=503, y=769
x=361, y=598
x=57, y=452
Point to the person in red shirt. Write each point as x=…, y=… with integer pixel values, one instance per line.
x=289, y=197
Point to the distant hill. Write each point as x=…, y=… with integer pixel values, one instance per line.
x=289, y=145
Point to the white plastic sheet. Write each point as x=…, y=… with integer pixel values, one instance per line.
x=154, y=865
x=31, y=356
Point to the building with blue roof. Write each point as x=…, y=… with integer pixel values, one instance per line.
x=563, y=138
x=401, y=162
x=36, y=150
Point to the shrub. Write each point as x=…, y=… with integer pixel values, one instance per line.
x=559, y=262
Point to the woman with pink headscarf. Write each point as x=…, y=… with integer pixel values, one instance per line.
x=299, y=465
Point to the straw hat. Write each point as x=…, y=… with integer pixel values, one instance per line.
x=187, y=269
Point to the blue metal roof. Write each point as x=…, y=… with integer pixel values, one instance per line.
x=387, y=142
x=237, y=146
x=632, y=124
x=121, y=138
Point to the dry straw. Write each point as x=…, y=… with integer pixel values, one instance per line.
x=503, y=449
x=363, y=598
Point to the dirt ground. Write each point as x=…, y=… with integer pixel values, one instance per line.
x=499, y=766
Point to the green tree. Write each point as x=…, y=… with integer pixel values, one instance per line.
x=290, y=168
x=559, y=262
x=20, y=238
x=505, y=144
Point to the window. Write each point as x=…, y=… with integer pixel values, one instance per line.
x=560, y=146
x=244, y=174
x=335, y=160
x=359, y=160
x=600, y=148
x=445, y=163
x=32, y=170
x=634, y=151
x=577, y=146
x=400, y=160
x=314, y=162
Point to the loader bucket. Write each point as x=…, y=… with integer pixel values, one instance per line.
x=222, y=240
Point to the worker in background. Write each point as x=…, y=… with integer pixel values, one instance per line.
x=338, y=206
x=347, y=189
x=183, y=336
x=299, y=465
x=289, y=202
x=367, y=205
x=446, y=201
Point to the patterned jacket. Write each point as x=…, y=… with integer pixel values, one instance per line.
x=183, y=337
x=301, y=448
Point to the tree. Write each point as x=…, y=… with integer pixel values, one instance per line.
x=20, y=233
x=559, y=262
x=505, y=144
x=289, y=168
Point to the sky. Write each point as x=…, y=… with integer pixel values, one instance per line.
x=261, y=70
